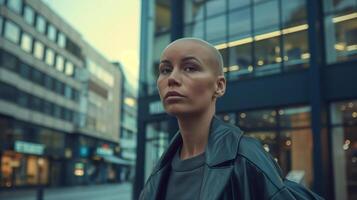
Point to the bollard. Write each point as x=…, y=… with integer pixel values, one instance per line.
x=40, y=193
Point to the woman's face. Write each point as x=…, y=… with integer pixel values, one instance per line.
x=187, y=80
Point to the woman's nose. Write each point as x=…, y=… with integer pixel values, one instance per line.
x=174, y=78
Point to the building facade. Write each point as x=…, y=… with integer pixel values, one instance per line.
x=290, y=69
x=128, y=128
x=59, y=102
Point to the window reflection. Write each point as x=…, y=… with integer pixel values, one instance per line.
x=15, y=5
x=295, y=117
x=162, y=16
x=296, y=51
x=238, y=3
x=240, y=61
x=257, y=119
x=194, y=10
x=12, y=32
x=216, y=29
x=267, y=56
x=29, y=15
x=293, y=12
x=26, y=42
x=38, y=50
x=241, y=27
x=59, y=63
x=156, y=142
x=214, y=7
x=344, y=148
x=40, y=24
x=264, y=21
x=195, y=30
x=50, y=57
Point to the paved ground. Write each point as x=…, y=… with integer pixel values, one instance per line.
x=94, y=192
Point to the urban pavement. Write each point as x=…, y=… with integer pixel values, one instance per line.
x=122, y=191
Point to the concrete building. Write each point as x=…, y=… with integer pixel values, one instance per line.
x=59, y=102
x=291, y=71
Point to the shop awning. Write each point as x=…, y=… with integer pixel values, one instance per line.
x=117, y=160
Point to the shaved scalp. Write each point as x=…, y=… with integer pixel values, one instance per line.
x=216, y=55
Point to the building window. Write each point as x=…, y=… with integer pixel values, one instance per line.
x=50, y=57
x=59, y=63
x=340, y=30
x=238, y=3
x=267, y=56
x=241, y=28
x=293, y=13
x=162, y=16
x=26, y=42
x=58, y=87
x=37, y=77
x=49, y=82
x=344, y=148
x=296, y=51
x=70, y=69
x=8, y=93
x=68, y=91
x=48, y=108
x=240, y=62
x=195, y=30
x=51, y=32
x=25, y=71
x=61, y=40
x=215, y=7
x=1, y=21
x=194, y=10
x=23, y=100
x=264, y=22
x=216, y=29
x=57, y=111
x=40, y=24
x=12, y=32
x=38, y=50
x=29, y=15
x=15, y=5
x=36, y=103
x=8, y=61
x=157, y=140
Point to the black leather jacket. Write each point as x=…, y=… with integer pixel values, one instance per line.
x=236, y=167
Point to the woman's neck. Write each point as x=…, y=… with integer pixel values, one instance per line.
x=194, y=130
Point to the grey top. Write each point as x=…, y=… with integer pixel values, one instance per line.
x=185, y=177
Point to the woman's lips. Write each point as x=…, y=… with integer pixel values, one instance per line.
x=173, y=96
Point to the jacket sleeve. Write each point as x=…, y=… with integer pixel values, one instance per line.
x=265, y=171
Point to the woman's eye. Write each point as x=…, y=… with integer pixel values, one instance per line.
x=190, y=68
x=165, y=70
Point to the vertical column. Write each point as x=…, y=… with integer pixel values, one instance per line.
x=176, y=19
x=318, y=109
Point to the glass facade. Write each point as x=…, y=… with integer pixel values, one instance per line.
x=340, y=30
x=156, y=142
x=12, y=32
x=26, y=42
x=344, y=148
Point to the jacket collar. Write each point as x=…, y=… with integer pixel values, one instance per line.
x=222, y=145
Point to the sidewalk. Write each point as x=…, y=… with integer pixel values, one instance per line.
x=99, y=192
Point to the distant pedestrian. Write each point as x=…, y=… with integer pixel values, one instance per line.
x=209, y=159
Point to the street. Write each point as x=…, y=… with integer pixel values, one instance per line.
x=93, y=192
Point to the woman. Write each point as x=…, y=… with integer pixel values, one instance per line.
x=208, y=159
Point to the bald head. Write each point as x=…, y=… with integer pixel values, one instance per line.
x=215, y=56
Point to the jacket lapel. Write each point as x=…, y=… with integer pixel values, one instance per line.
x=221, y=152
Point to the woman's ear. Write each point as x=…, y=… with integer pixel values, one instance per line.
x=220, y=86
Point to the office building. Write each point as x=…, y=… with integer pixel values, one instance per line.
x=291, y=72
x=59, y=102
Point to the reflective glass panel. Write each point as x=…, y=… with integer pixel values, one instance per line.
x=51, y=32
x=241, y=27
x=12, y=32
x=59, y=63
x=162, y=16
x=38, y=50
x=240, y=61
x=50, y=57
x=69, y=71
x=238, y=3
x=267, y=56
x=61, y=40
x=257, y=119
x=15, y=5
x=29, y=15
x=26, y=42
x=344, y=113
x=295, y=117
x=194, y=10
x=296, y=51
x=264, y=22
x=215, y=7
x=194, y=30
x=293, y=12
x=216, y=29
x=40, y=24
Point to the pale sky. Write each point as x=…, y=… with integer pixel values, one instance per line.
x=111, y=26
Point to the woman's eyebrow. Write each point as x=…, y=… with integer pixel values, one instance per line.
x=191, y=58
x=165, y=62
